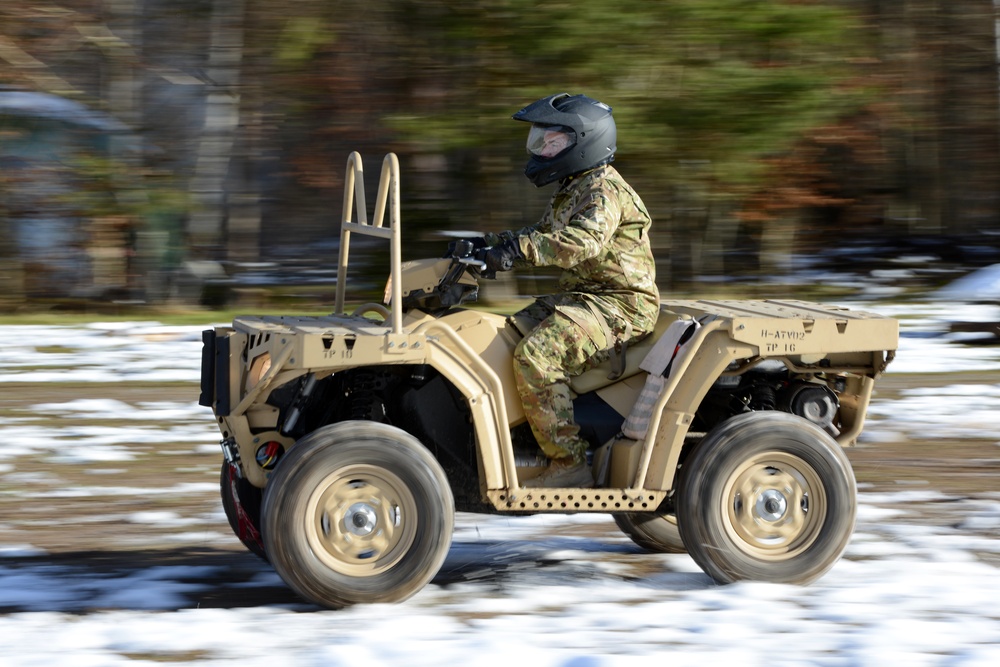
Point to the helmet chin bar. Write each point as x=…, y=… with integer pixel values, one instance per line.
x=535, y=170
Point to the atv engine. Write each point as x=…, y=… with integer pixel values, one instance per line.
x=769, y=386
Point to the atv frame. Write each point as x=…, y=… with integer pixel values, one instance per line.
x=340, y=432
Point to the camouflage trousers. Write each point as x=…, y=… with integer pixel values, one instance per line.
x=567, y=341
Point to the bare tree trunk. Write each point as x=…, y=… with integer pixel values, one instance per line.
x=922, y=39
x=108, y=237
x=968, y=115
x=207, y=225
x=243, y=201
x=996, y=43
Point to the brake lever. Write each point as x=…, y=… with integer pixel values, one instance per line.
x=472, y=262
x=479, y=261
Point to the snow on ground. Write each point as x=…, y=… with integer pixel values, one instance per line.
x=566, y=591
x=101, y=352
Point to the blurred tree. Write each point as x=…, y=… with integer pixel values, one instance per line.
x=919, y=162
x=748, y=126
x=939, y=60
x=77, y=168
x=703, y=90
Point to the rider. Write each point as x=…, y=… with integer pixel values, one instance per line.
x=596, y=229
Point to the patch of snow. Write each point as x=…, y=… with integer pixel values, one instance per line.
x=545, y=590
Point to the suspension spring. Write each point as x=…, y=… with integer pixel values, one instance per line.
x=362, y=395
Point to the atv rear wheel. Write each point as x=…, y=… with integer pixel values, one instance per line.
x=357, y=512
x=767, y=496
x=654, y=532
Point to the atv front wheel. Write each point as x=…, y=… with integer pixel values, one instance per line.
x=655, y=532
x=767, y=496
x=357, y=512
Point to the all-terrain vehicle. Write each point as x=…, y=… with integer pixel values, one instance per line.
x=350, y=440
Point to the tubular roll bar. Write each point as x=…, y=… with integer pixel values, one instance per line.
x=354, y=189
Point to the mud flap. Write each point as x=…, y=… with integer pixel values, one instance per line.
x=246, y=529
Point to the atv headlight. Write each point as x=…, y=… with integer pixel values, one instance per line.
x=258, y=369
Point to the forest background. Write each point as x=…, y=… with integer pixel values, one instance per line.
x=162, y=150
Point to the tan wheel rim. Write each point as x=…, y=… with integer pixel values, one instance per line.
x=361, y=520
x=775, y=505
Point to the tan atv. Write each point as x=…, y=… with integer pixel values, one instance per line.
x=350, y=440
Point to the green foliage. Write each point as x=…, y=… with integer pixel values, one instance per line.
x=106, y=186
x=722, y=81
x=301, y=38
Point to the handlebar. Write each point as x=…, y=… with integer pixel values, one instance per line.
x=464, y=252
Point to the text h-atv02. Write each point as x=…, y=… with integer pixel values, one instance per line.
x=350, y=440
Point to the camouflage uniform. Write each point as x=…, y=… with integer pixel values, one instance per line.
x=597, y=230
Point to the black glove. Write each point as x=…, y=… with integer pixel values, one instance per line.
x=465, y=247
x=501, y=257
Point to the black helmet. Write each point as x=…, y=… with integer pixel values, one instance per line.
x=590, y=136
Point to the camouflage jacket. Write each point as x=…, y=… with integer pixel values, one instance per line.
x=596, y=229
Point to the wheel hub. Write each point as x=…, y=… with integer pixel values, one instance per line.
x=360, y=519
x=772, y=510
x=771, y=505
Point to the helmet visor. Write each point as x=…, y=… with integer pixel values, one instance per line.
x=549, y=140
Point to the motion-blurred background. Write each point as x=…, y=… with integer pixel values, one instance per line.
x=193, y=151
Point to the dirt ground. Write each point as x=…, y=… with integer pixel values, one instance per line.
x=963, y=467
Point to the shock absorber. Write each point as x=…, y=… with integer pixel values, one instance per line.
x=296, y=411
x=763, y=397
x=363, y=399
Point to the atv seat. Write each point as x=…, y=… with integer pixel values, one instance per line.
x=635, y=352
